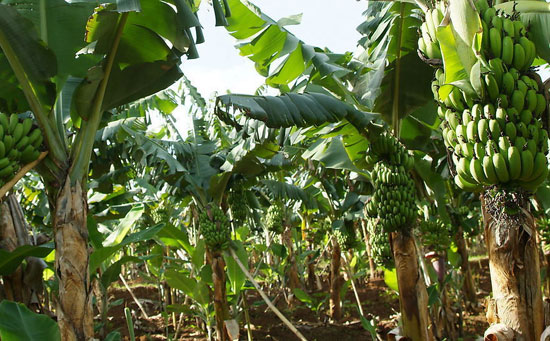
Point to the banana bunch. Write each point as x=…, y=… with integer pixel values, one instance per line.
x=19, y=144
x=346, y=237
x=393, y=201
x=380, y=245
x=435, y=234
x=427, y=42
x=274, y=219
x=505, y=38
x=239, y=205
x=497, y=137
x=215, y=228
x=387, y=148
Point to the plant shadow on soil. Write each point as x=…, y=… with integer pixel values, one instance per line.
x=378, y=301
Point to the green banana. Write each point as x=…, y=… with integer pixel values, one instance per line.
x=508, y=83
x=531, y=100
x=510, y=130
x=507, y=50
x=518, y=100
x=514, y=162
x=482, y=130
x=17, y=132
x=539, y=165
x=27, y=125
x=4, y=162
x=508, y=27
x=471, y=131
x=527, y=164
x=541, y=105
x=519, y=28
x=489, y=170
x=14, y=119
x=476, y=169
x=497, y=68
x=519, y=57
x=6, y=171
x=4, y=122
x=8, y=142
x=495, y=42
x=501, y=168
x=466, y=185
x=492, y=86
x=22, y=143
x=535, y=183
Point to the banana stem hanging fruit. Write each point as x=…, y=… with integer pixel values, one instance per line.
x=498, y=138
x=393, y=201
x=215, y=228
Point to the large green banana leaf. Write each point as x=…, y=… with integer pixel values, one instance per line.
x=397, y=81
x=294, y=110
x=266, y=42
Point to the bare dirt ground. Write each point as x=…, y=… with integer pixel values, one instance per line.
x=377, y=299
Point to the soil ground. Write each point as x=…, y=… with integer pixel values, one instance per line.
x=378, y=301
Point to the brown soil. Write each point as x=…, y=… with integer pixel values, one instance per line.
x=379, y=302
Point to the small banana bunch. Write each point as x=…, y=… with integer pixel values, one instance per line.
x=427, y=42
x=393, y=201
x=380, y=245
x=496, y=136
x=275, y=218
x=346, y=237
x=19, y=144
x=239, y=205
x=215, y=228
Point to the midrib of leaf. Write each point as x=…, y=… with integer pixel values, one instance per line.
x=84, y=152
x=43, y=22
x=395, y=104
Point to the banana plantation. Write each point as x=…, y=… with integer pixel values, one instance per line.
x=394, y=191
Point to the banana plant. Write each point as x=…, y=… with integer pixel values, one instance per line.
x=119, y=54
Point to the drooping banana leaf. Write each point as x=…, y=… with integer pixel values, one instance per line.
x=294, y=110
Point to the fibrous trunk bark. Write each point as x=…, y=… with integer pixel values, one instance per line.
x=293, y=280
x=413, y=297
x=468, y=286
x=14, y=290
x=514, y=267
x=74, y=308
x=372, y=267
x=335, y=282
x=221, y=307
x=25, y=286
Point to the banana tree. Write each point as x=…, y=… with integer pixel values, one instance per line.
x=480, y=62
x=122, y=51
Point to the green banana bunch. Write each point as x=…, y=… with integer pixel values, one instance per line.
x=215, y=228
x=393, y=200
x=427, y=42
x=435, y=234
x=238, y=203
x=19, y=144
x=380, y=245
x=495, y=134
x=346, y=236
x=274, y=219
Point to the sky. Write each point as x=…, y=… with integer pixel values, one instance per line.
x=325, y=23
